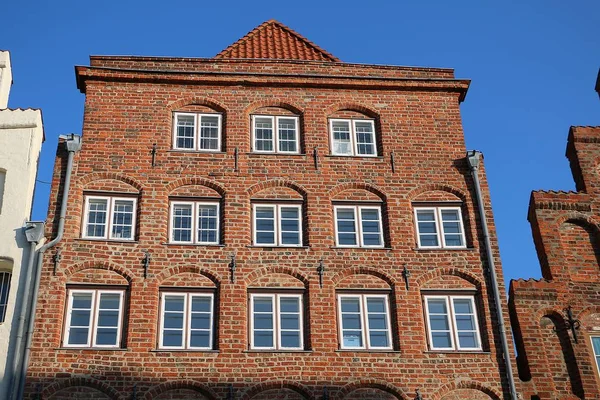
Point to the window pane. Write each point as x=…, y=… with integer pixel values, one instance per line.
x=106, y=336
x=4, y=290
x=207, y=223
x=352, y=339
x=290, y=321
x=172, y=338
x=346, y=227
x=290, y=339
x=209, y=132
x=437, y=306
x=122, y=224
x=200, y=339
x=341, y=137
x=462, y=306
x=371, y=227
x=265, y=225
x=174, y=303
x=263, y=304
x=185, y=131
x=182, y=222
x=82, y=300
x=108, y=318
x=80, y=317
x=200, y=321
x=290, y=225
x=263, y=134
x=468, y=340
x=350, y=305
x=97, y=216
x=287, y=135
x=78, y=336
x=173, y=320
x=379, y=339
x=452, y=228
x=596, y=344
x=289, y=304
x=365, y=138
x=441, y=340
x=201, y=304
x=263, y=339
x=263, y=321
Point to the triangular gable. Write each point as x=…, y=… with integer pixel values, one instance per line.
x=273, y=40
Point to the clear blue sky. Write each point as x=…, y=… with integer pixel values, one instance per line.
x=533, y=66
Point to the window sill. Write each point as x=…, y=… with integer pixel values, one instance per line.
x=360, y=248
x=105, y=240
x=252, y=154
x=456, y=352
x=367, y=351
x=192, y=244
x=183, y=151
x=355, y=157
x=184, y=351
x=425, y=249
x=92, y=348
x=274, y=351
x=277, y=247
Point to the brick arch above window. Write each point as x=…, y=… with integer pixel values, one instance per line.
x=263, y=276
x=429, y=278
x=384, y=388
x=363, y=281
x=376, y=275
x=70, y=271
x=166, y=387
x=366, y=110
x=174, y=272
x=97, y=180
x=436, y=192
x=447, y=391
x=274, y=103
x=274, y=185
x=176, y=185
x=356, y=187
x=97, y=276
x=53, y=390
x=256, y=391
x=181, y=104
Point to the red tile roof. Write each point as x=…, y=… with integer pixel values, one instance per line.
x=273, y=40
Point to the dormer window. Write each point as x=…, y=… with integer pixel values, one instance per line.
x=197, y=132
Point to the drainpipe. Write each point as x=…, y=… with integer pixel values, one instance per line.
x=474, y=158
x=73, y=143
x=34, y=233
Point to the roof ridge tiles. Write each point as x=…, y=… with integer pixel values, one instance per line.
x=268, y=40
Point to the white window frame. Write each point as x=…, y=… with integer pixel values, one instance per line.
x=186, y=320
x=196, y=139
x=275, y=123
x=94, y=311
x=451, y=319
x=196, y=205
x=277, y=320
x=5, y=283
x=110, y=207
x=365, y=337
x=596, y=356
x=358, y=234
x=353, y=138
x=277, y=226
x=439, y=226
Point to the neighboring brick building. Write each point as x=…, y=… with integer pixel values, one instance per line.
x=238, y=227
x=556, y=319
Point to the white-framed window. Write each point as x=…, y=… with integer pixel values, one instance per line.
x=358, y=226
x=196, y=222
x=94, y=318
x=364, y=321
x=440, y=227
x=186, y=321
x=353, y=137
x=109, y=217
x=199, y=132
x=275, y=134
x=277, y=225
x=276, y=321
x=5, y=277
x=452, y=322
x=596, y=349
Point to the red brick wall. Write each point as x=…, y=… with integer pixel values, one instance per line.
x=419, y=121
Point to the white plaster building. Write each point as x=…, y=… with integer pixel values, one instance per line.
x=21, y=137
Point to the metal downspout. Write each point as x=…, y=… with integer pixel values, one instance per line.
x=12, y=369
x=73, y=143
x=473, y=158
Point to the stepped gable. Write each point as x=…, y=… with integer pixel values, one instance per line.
x=273, y=40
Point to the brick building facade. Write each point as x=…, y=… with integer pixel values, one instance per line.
x=556, y=320
x=270, y=223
